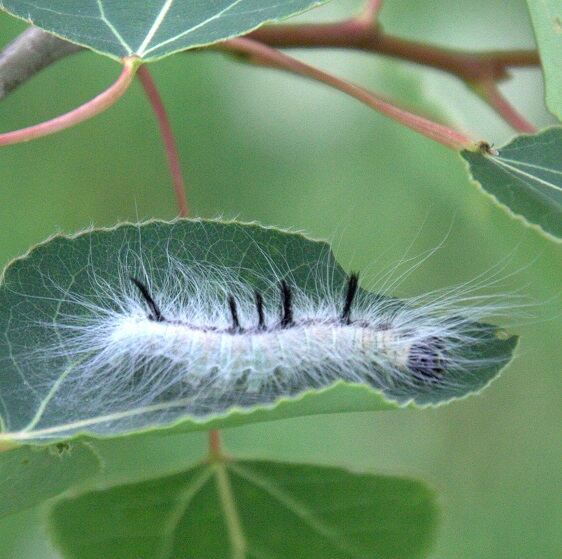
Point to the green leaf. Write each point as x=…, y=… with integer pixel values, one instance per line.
x=29, y=476
x=151, y=29
x=250, y=509
x=546, y=16
x=525, y=178
x=61, y=299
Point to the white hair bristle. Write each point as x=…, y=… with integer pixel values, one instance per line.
x=201, y=339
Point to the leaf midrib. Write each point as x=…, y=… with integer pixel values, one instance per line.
x=529, y=178
x=295, y=507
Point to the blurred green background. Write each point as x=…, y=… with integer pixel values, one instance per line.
x=261, y=145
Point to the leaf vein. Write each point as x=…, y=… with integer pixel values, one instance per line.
x=185, y=499
x=194, y=28
x=528, y=176
x=531, y=165
x=232, y=519
x=297, y=508
x=155, y=26
x=112, y=28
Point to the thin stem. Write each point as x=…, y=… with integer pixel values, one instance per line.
x=214, y=444
x=358, y=34
x=370, y=11
x=84, y=112
x=490, y=92
x=262, y=54
x=167, y=137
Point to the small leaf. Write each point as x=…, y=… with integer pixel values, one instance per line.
x=525, y=178
x=29, y=476
x=546, y=16
x=250, y=510
x=73, y=361
x=151, y=29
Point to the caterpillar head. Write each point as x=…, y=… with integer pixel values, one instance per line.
x=426, y=359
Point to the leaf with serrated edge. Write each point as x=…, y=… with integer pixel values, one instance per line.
x=65, y=278
x=250, y=509
x=525, y=178
x=151, y=29
x=29, y=476
x=546, y=16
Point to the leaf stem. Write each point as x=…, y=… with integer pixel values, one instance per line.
x=489, y=91
x=215, y=451
x=370, y=11
x=167, y=135
x=84, y=112
x=264, y=55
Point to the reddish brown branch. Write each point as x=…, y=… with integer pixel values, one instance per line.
x=167, y=137
x=358, y=34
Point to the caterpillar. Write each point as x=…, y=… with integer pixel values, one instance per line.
x=424, y=359
x=169, y=326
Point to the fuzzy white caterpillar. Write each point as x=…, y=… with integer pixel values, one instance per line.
x=165, y=334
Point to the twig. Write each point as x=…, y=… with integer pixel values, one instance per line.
x=167, y=137
x=84, y=112
x=29, y=53
x=355, y=34
x=264, y=55
x=490, y=92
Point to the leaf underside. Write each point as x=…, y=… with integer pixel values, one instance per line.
x=525, y=178
x=546, y=16
x=29, y=476
x=250, y=509
x=46, y=396
x=151, y=29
